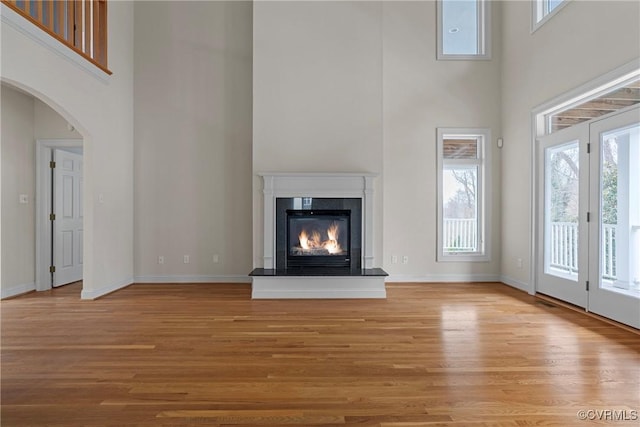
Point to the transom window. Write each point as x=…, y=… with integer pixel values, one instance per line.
x=543, y=10
x=463, y=29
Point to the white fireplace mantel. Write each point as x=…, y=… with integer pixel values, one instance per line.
x=319, y=185
x=334, y=185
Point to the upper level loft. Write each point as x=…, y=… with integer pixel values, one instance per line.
x=79, y=24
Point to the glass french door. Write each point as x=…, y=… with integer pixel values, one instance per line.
x=562, y=225
x=589, y=216
x=614, y=264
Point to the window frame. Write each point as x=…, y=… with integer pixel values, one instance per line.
x=540, y=13
x=483, y=196
x=483, y=36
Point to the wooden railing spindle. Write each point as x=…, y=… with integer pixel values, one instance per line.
x=69, y=36
x=60, y=15
x=50, y=5
x=80, y=24
x=86, y=29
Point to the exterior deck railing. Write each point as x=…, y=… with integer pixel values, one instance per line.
x=460, y=235
x=564, y=248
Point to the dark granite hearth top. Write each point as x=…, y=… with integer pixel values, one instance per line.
x=318, y=271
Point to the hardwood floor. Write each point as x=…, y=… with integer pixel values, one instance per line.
x=203, y=354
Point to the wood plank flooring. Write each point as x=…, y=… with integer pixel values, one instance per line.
x=207, y=355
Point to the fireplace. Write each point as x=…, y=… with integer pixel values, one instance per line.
x=318, y=232
x=318, y=238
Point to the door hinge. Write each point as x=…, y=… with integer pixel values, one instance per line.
x=588, y=216
x=52, y=217
x=52, y=164
x=587, y=285
x=588, y=147
x=52, y=269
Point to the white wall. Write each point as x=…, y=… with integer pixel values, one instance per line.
x=17, y=154
x=193, y=140
x=102, y=110
x=584, y=40
x=317, y=94
x=50, y=125
x=354, y=86
x=420, y=95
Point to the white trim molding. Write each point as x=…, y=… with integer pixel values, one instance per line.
x=44, y=149
x=97, y=293
x=515, y=283
x=329, y=185
x=442, y=278
x=17, y=290
x=194, y=279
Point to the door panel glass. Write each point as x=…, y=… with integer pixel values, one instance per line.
x=620, y=210
x=562, y=179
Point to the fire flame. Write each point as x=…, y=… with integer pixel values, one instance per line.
x=304, y=240
x=315, y=241
x=332, y=245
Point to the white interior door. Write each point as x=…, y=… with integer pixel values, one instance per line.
x=67, y=223
x=614, y=265
x=562, y=224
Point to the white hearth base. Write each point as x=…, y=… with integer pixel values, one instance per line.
x=278, y=287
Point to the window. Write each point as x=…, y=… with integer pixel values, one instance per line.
x=463, y=194
x=463, y=29
x=543, y=10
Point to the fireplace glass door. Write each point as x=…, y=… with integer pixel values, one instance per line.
x=318, y=238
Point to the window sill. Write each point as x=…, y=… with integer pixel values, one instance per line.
x=463, y=258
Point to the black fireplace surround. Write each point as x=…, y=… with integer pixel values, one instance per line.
x=318, y=233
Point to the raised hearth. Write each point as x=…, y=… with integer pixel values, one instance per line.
x=318, y=283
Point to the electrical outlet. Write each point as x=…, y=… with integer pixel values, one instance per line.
x=24, y=199
x=519, y=262
x=394, y=259
x=216, y=259
x=186, y=259
x=160, y=259
x=405, y=259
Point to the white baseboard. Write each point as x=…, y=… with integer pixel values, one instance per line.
x=97, y=293
x=17, y=290
x=515, y=283
x=445, y=278
x=194, y=279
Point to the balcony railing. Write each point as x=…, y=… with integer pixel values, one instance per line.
x=79, y=24
x=564, y=248
x=460, y=235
